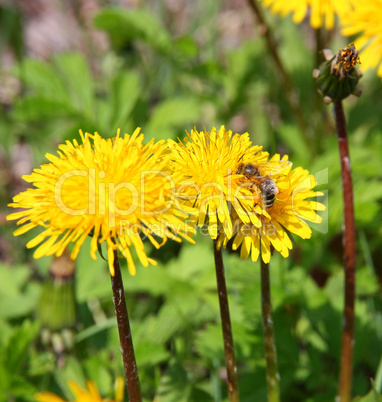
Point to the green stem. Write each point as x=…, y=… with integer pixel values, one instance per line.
x=319, y=47
x=127, y=349
x=229, y=351
x=291, y=95
x=273, y=377
x=349, y=260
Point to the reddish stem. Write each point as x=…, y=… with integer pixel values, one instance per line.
x=127, y=349
x=349, y=259
x=229, y=351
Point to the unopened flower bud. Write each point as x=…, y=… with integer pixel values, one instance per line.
x=337, y=77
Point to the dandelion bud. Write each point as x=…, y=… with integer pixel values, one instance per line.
x=337, y=77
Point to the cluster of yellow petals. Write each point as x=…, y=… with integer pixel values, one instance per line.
x=365, y=19
x=90, y=394
x=357, y=18
x=322, y=12
x=231, y=205
x=207, y=161
x=119, y=190
x=115, y=190
x=288, y=214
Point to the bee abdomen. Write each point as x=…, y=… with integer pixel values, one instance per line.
x=268, y=199
x=268, y=193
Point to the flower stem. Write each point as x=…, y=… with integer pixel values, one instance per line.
x=229, y=351
x=127, y=349
x=349, y=260
x=273, y=376
x=291, y=95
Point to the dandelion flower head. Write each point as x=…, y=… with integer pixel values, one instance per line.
x=288, y=213
x=207, y=161
x=322, y=12
x=365, y=20
x=115, y=190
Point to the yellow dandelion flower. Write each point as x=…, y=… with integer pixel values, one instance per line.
x=322, y=12
x=365, y=19
x=207, y=161
x=90, y=394
x=116, y=190
x=288, y=209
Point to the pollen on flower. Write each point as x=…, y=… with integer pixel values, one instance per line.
x=345, y=60
x=115, y=190
x=287, y=214
x=337, y=77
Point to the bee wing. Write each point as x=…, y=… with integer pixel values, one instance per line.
x=274, y=167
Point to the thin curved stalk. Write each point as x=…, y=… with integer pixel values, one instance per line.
x=229, y=351
x=349, y=259
x=273, y=377
x=291, y=95
x=127, y=349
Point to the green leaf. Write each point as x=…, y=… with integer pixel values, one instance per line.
x=20, y=389
x=73, y=370
x=18, y=296
x=97, y=371
x=44, y=80
x=295, y=141
x=150, y=353
x=187, y=46
x=75, y=75
x=170, y=320
x=372, y=396
x=124, y=25
x=174, y=385
x=95, y=329
x=125, y=90
x=22, y=304
x=174, y=112
x=14, y=349
x=39, y=107
x=366, y=195
x=92, y=276
x=209, y=342
x=366, y=286
x=154, y=280
x=12, y=280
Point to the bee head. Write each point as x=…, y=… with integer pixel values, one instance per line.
x=251, y=169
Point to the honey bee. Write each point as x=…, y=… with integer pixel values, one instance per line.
x=260, y=175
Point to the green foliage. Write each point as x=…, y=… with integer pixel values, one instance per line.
x=18, y=296
x=168, y=81
x=134, y=24
x=14, y=357
x=372, y=396
x=65, y=90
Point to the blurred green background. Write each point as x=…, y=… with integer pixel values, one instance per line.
x=167, y=66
